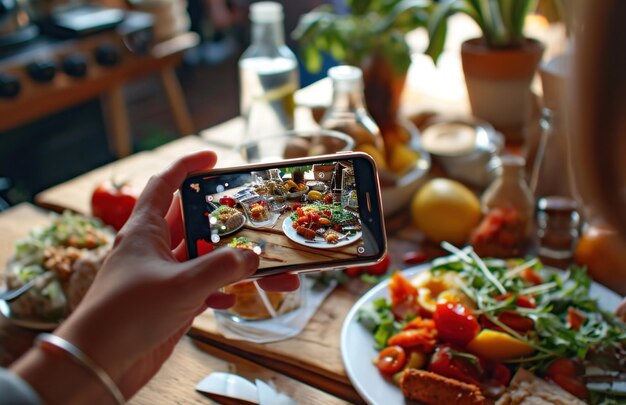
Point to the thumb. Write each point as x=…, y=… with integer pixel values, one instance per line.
x=221, y=267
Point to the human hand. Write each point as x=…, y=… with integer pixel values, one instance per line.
x=146, y=295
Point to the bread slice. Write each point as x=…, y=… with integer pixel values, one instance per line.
x=433, y=389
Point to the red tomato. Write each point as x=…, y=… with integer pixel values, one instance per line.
x=353, y=271
x=501, y=374
x=415, y=257
x=530, y=276
x=515, y=320
x=379, y=268
x=113, y=203
x=575, y=318
x=565, y=367
x=448, y=363
x=391, y=360
x=455, y=323
x=226, y=200
x=521, y=300
x=573, y=385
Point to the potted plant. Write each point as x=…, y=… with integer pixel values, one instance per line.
x=498, y=66
x=370, y=35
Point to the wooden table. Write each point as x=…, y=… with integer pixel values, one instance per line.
x=312, y=357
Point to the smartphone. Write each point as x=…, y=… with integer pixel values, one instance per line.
x=298, y=215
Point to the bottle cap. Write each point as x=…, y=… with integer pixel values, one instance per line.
x=346, y=78
x=266, y=12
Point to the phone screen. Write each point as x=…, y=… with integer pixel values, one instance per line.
x=295, y=216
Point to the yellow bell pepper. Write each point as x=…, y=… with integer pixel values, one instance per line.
x=498, y=346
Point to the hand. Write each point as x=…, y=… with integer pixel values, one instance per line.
x=146, y=294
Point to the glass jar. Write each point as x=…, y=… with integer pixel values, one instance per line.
x=348, y=113
x=558, y=230
x=268, y=73
x=508, y=205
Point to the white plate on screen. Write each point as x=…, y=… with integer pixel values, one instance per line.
x=357, y=344
x=291, y=233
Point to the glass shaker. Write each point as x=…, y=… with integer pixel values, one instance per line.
x=558, y=230
x=268, y=73
x=348, y=113
x=508, y=205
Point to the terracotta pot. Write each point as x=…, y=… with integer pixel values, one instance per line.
x=498, y=81
x=383, y=89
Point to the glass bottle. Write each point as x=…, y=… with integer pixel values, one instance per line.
x=558, y=219
x=509, y=204
x=268, y=74
x=348, y=113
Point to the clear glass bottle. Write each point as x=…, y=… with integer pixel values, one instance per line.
x=348, y=113
x=558, y=230
x=268, y=74
x=509, y=205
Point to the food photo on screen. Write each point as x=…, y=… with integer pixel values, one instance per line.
x=293, y=215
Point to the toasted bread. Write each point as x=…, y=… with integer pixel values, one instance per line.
x=433, y=389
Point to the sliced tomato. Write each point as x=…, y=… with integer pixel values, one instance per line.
x=565, y=367
x=455, y=323
x=575, y=318
x=391, y=360
x=530, y=276
x=401, y=289
x=501, y=374
x=521, y=300
x=516, y=321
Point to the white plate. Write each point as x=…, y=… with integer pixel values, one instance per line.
x=293, y=235
x=5, y=310
x=357, y=344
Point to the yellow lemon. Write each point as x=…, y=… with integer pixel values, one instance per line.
x=377, y=155
x=445, y=210
x=402, y=158
x=314, y=195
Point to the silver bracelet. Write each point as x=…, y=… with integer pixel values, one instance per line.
x=82, y=359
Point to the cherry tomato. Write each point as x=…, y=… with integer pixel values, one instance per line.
x=573, y=385
x=565, y=367
x=391, y=360
x=521, y=300
x=226, y=200
x=113, y=203
x=530, y=276
x=379, y=268
x=455, y=323
x=415, y=257
x=501, y=374
x=448, y=363
x=353, y=271
x=295, y=207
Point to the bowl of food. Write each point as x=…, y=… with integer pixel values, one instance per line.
x=405, y=168
x=64, y=257
x=295, y=144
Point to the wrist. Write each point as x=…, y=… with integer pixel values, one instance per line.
x=57, y=378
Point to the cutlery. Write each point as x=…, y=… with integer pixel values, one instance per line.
x=42, y=280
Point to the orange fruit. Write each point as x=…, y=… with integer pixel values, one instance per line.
x=445, y=210
x=601, y=249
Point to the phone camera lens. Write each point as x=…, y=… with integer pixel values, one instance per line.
x=371, y=220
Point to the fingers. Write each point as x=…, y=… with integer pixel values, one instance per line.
x=157, y=196
x=220, y=300
x=280, y=282
x=180, y=251
x=221, y=267
x=174, y=219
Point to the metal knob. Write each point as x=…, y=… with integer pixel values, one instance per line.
x=41, y=71
x=108, y=55
x=75, y=65
x=9, y=86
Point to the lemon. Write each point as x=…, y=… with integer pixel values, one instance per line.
x=445, y=210
x=402, y=158
x=377, y=155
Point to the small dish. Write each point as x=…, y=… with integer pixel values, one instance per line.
x=464, y=147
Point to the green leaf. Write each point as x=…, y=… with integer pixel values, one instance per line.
x=438, y=24
x=521, y=10
x=406, y=6
x=312, y=59
x=359, y=7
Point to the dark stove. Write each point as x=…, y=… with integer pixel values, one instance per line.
x=52, y=71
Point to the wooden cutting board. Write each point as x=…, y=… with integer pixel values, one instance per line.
x=313, y=356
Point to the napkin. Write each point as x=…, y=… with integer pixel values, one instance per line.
x=234, y=386
x=283, y=327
